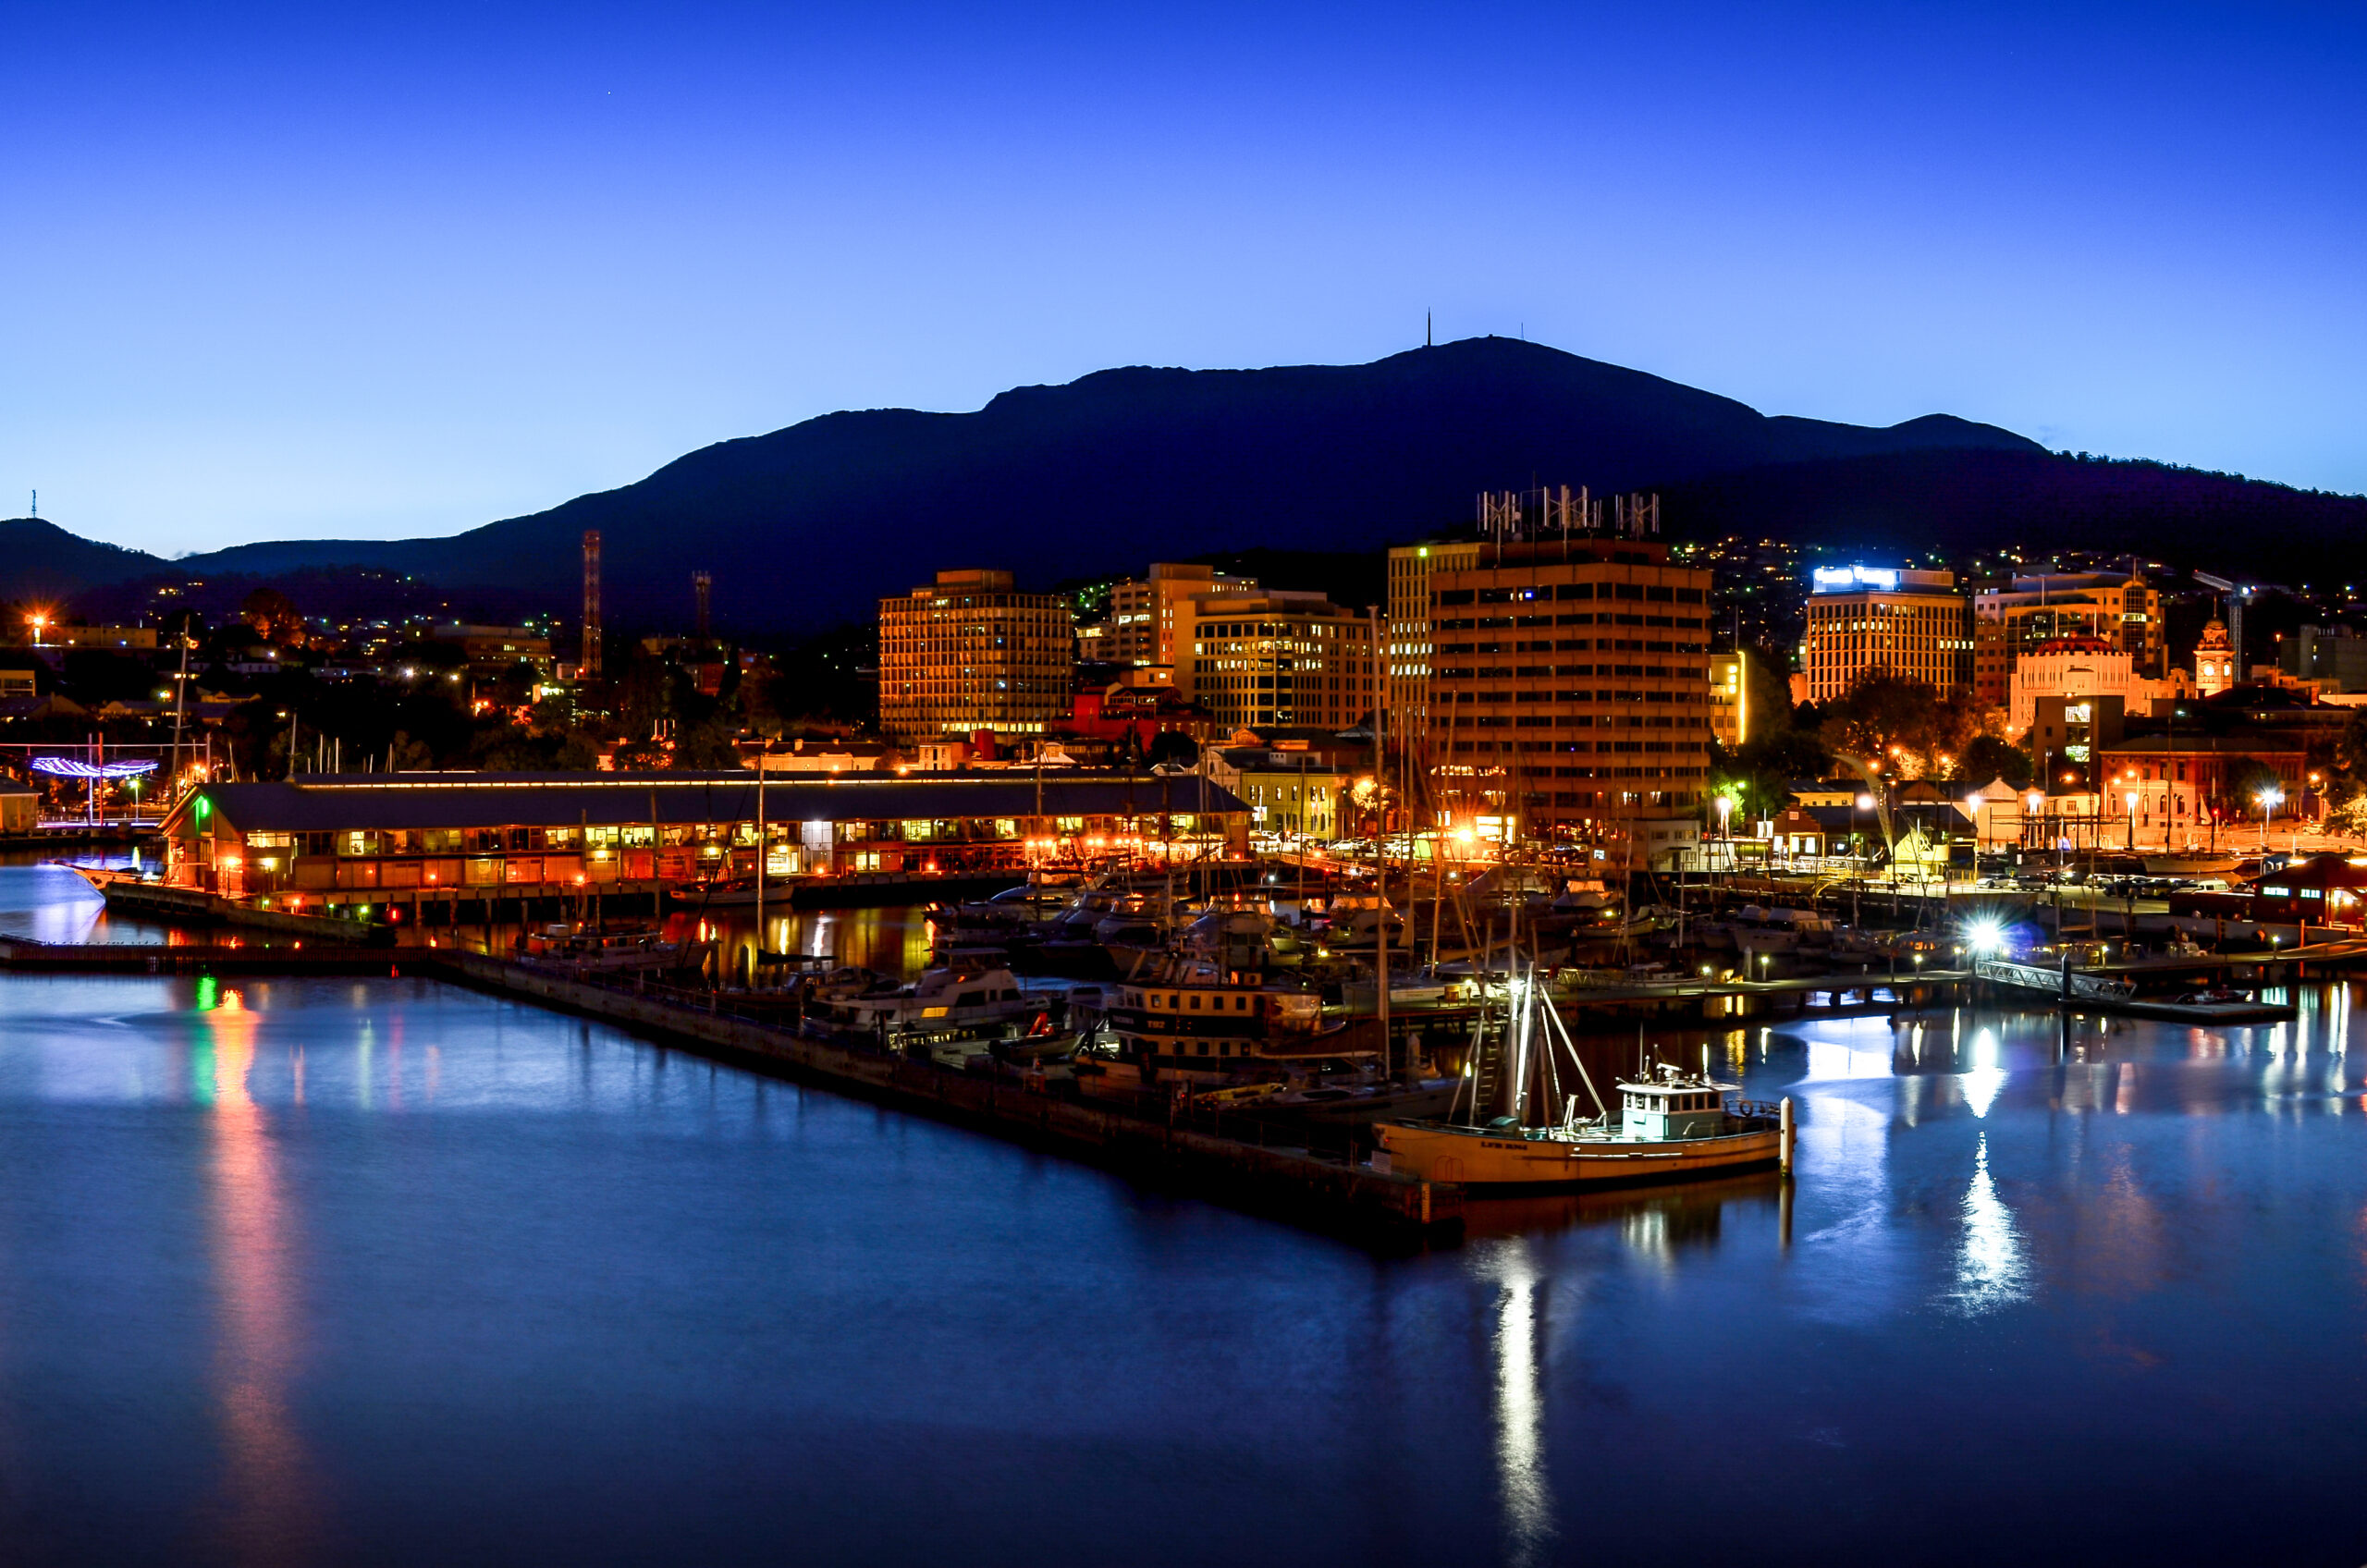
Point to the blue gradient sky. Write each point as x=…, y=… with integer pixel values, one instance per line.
x=324, y=270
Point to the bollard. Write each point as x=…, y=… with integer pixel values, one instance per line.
x=1787, y=1134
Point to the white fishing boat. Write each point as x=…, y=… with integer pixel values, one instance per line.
x=1669, y=1125
x=1677, y=1125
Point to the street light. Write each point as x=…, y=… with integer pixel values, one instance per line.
x=2129, y=799
x=2269, y=799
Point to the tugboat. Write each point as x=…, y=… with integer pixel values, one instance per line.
x=1672, y=1125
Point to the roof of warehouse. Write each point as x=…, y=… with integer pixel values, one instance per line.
x=330, y=802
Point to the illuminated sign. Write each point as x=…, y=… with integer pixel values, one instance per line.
x=1847, y=579
x=66, y=768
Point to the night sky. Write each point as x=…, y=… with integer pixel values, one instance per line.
x=339, y=270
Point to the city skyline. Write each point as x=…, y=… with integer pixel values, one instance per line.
x=370, y=279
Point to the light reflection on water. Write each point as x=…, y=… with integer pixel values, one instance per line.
x=267, y=1506
x=358, y=1270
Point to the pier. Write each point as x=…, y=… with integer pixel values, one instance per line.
x=1287, y=1182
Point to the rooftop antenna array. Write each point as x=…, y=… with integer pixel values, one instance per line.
x=1508, y=516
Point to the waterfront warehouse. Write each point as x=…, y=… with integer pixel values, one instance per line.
x=329, y=840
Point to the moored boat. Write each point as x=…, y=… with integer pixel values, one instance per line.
x=949, y=1000
x=1676, y=1125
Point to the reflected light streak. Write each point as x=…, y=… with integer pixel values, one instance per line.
x=265, y=1486
x=1984, y=1078
x=1990, y=1271
x=1520, y=1411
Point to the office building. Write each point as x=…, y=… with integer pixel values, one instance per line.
x=2333, y=656
x=1407, y=628
x=1745, y=699
x=1145, y=612
x=2079, y=668
x=495, y=650
x=968, y=652
x=2115, y=608
x=1273, y=657
x=1568, y=685
x=1864, y=620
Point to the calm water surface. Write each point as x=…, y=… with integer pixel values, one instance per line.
x=385, y=1271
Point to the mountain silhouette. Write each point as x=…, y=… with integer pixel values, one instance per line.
x=809, y=525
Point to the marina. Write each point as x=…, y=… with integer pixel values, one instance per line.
x=1957, y=1165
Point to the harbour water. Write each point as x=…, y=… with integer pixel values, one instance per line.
x=387, y=1271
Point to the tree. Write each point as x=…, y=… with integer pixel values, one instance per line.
x=1759, y=775
x=1173, y=746
x=1985, y=757
x=1904, y=728
x=274, y=617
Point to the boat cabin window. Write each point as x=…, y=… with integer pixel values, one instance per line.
x=1196, y=1003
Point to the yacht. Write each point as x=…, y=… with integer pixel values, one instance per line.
x=1190, y=1023
x=969, y=1001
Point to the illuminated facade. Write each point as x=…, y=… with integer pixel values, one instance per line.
x=2215, y=661
x=427, y=843
x=1864, y=619
x=1410, y=648
x=967, y=654
x=1274, y=658
x=1147, y=613
x=2121, y=611
x=1568, y=687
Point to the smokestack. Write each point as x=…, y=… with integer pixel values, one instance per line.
x=700, y=583
x=591, y=604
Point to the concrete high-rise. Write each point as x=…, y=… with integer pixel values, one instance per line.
x=968, y=652
x=1567, y=686
x=1144, y=622
x=1274, y=658
x=1864, y=620
x=1407, y=631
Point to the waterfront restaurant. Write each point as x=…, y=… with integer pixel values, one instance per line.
x=431, y=841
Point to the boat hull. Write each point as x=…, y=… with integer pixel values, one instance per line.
x=1476, y=1158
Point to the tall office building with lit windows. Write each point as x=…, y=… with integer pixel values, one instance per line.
x=1567, y=690
x=1863, y=620
x=967, y=653
x=1274, y=658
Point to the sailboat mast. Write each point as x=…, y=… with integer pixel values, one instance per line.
x=762, y=856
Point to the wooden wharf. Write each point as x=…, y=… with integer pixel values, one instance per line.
x=1292, y=1183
